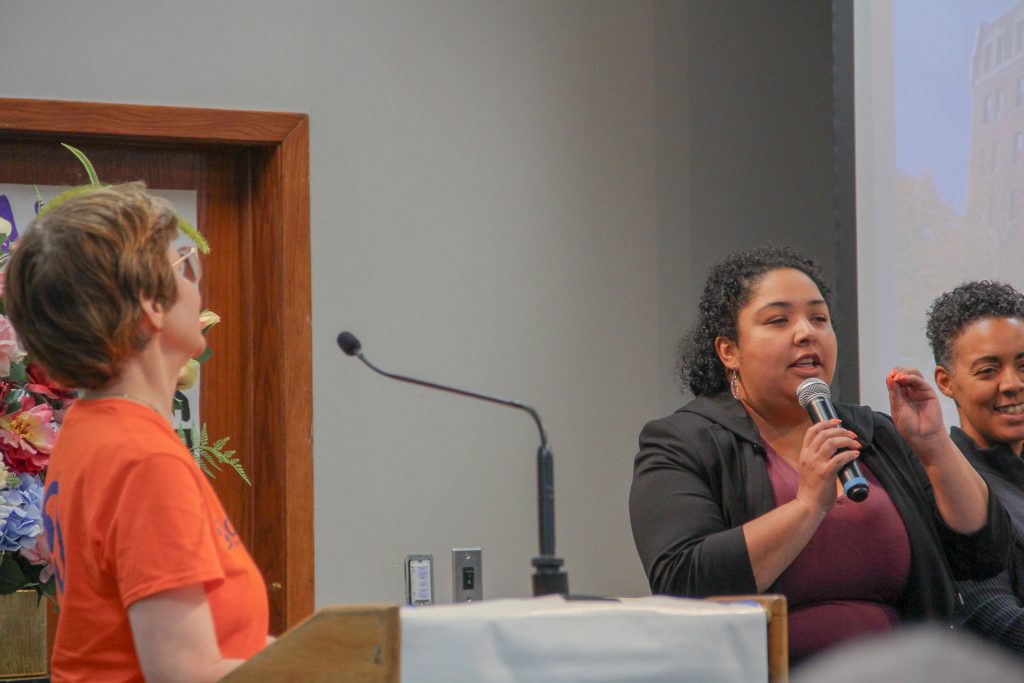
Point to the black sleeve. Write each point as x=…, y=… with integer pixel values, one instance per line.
x=980, y=555
x=679, y=527
x=992, y=609
x=984, y=553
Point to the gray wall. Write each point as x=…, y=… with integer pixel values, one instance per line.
x=519, y=197
x=743, y=144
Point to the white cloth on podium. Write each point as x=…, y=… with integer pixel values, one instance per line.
x=552, y=640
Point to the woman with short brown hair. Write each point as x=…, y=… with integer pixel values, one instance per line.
x=152, y=580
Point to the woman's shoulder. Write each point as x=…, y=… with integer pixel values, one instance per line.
x=700, y=415
x=707, y=424
x=118, y=430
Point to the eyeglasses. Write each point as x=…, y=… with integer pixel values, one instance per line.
x=191, y=266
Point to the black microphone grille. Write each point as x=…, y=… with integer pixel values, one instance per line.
x=811, y=389
x=349, y=344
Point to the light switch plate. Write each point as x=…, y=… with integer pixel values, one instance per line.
x=467, y=575
x=419, y=579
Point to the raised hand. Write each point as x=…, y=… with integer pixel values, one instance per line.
x=915, y=408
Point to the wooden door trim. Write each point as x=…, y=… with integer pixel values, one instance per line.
x=276, y=204
x=147, y=122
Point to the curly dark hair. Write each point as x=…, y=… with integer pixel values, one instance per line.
x=953, y=311
x=729, y=287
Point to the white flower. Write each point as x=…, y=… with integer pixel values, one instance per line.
x=10, y=350
x=188, y=375
x=208, y=319
x=8, y=479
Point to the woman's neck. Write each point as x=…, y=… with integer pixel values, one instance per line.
x=784, y=430
x=145, y=379
x=977, y=437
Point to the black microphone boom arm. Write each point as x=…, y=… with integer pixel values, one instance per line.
x=548, y=577
x=462, y=392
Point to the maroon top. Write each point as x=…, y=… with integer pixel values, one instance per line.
x=848, y=578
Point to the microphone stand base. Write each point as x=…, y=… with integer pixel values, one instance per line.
x=548, y=577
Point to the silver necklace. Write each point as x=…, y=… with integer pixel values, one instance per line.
x=92, y=397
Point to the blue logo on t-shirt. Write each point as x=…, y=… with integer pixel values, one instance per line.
x=227, y=532
x=54, y=537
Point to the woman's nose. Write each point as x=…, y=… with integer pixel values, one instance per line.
x=1012, y=380
x=804, y=331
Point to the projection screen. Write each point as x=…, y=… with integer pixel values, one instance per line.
x=939, y=122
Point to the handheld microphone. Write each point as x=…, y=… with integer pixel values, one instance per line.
x=548, y=578
x=816, y=397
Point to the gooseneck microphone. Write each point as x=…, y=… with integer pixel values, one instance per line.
x=548, y=577
x=816, y=397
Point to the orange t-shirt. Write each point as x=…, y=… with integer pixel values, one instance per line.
x=128, y=514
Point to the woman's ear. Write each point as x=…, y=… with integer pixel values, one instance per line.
x=727, y=352
x=944, y=381
x=152, y=316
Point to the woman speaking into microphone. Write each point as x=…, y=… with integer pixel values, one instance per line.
x=738, y=491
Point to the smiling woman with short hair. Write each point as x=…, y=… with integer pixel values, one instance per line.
x=977, y=336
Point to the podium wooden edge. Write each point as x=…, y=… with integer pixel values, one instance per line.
x=342, y=643
x=777, y=611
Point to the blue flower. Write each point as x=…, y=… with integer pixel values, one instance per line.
x=21, y=515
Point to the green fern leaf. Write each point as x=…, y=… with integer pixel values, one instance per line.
x=211, y=461
x=237, y=467
x=206, y=470
x=213, y=457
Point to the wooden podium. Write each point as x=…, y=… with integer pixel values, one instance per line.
x=362, y=644
x=357, y=644
x=777, y=612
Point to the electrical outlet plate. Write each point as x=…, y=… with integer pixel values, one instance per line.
x=419, y=579
x=467, y=577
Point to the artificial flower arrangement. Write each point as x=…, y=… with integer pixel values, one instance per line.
x=32, y=407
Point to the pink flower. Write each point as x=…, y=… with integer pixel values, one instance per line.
x=10, y=351
x=26, y=438
x=40, y=383
x=40, y=553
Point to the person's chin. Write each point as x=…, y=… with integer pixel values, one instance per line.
x=1004, y=428
x=1010, y=434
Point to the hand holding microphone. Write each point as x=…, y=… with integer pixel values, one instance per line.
x=816, y=397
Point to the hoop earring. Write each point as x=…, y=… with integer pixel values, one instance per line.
x=734, y=383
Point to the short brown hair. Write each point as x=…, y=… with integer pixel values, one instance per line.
x=76, y=278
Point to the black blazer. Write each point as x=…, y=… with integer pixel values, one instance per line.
x=701, y=474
